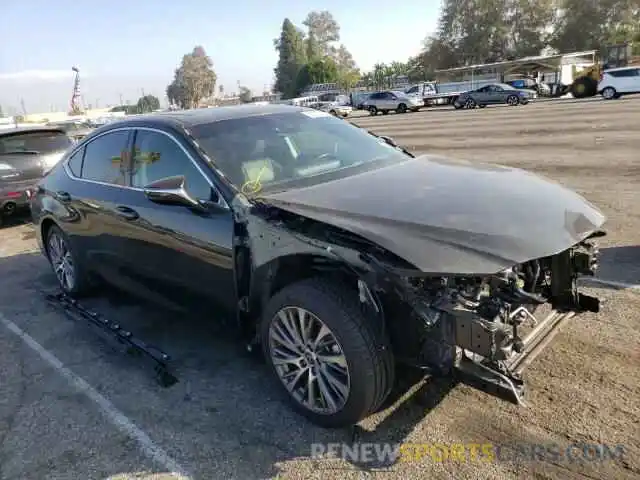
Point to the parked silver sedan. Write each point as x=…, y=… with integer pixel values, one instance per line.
x=336, y=109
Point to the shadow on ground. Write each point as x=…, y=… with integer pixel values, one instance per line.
x=20, y=218
x=620, y=264
x=226, y=408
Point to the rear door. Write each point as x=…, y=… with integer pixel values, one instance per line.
x=181, y=253
x=375, y=99
x=482, y=95
x=97, y=188
x=389, y=101
x=629, y=79
x=634, y=81
x=497, y=94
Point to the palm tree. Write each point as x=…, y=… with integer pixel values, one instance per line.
x=378, y=75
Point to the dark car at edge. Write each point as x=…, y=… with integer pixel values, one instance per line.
x=26, y=154
x=340, y=253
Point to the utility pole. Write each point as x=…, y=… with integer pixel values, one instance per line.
x=24, y=109
x=121, y=101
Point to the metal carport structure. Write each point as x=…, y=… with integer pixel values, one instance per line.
x=539, y=65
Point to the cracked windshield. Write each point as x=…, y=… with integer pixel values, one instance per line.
x=320, y=240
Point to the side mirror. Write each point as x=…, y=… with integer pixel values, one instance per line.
x=171, y=191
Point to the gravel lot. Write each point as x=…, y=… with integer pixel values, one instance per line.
x=99, y=414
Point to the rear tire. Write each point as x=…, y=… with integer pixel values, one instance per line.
x=402, y=108
x=360, y=344
x=65, y=263
x=373, y=111
x=609, y=93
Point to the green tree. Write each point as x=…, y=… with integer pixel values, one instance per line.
x=319, y=70
x=348, y=73
x=590, y=24
x=324, y=30
x=147, y=103
x=194, y=80
x=481, y=31
x=312, y=46
x=291, y=59
x=378, y=75
x=245, y=95
x=418, y=70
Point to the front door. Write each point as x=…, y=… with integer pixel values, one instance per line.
x=182, y=253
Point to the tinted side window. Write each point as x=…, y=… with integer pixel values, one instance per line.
x=105, y=158
x=75, y=163
x=624, y=73
x=157, y=156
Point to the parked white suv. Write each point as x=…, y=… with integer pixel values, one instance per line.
x=386, y=101
x=616, y=82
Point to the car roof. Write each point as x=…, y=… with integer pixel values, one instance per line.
x=18, y=130
x=191, y=118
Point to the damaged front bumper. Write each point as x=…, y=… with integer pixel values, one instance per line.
x=492, y=329
x=497, y=351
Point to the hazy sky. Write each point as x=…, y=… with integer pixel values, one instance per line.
x=124, y=47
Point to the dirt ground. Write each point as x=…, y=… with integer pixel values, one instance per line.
x=226, y=418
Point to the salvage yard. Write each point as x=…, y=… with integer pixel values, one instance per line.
x=74, y=407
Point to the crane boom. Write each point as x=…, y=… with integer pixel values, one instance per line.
x=76, y=109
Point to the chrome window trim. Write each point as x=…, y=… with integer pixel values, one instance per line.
x=221, y=201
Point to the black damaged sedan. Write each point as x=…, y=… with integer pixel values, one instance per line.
x=339, y=252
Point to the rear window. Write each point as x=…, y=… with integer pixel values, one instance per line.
x=41, y=142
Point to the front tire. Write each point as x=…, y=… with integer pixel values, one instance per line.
x=402, y=108
x=335, y=364
x=65, y=263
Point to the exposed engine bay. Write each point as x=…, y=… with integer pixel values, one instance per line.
x=496, y=325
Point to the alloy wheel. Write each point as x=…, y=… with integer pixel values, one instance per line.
x=62, y=261
x=309, y=360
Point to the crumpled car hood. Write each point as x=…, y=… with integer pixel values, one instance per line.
x=454, y=217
